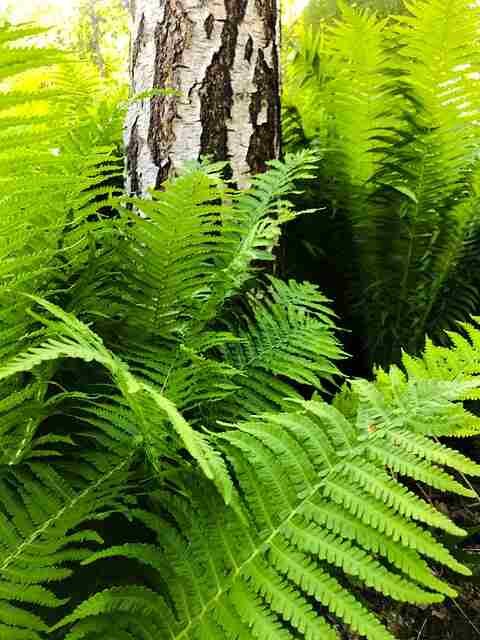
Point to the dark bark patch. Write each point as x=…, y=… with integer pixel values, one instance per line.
x=264, y=141
x=132, y=152
x=172, y=37
x=248, y=49
x=208, y=25
x=267, y=9
x=216, y=94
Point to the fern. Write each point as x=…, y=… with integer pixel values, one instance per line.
x=281, y=335
x=343, y=517
x=44, y=240
x=183, y=275
x=400, y=134
x=111, y=326
x=40, y=511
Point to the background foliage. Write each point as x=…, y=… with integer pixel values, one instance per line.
x=392, y=104
x=318, y=10
x=97, y=30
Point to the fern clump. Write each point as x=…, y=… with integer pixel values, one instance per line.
x=393, y=103
x=291, y=550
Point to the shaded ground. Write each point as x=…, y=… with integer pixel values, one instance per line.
x=457, y=619
x=452, y=620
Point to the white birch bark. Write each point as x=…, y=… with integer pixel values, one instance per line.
x=221, y=59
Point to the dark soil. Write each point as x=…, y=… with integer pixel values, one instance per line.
x=457, y=619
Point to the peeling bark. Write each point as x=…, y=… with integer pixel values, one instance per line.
x=217, y=61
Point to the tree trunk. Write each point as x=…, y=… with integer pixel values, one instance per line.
x=95, y=38
x=220, y=58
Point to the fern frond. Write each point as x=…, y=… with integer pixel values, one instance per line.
x=179, y=288
x=252, y=226
x=285, y=332
x=46, y=519
x=186, y=267
x=73, y=339
x=399, y=177
x=343, y=517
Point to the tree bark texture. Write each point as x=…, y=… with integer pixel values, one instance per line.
x=220, y=58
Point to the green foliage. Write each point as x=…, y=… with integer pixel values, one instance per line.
x=393, y=104
x=343, y=519
x=96, y=30
x=54, y=177
x=100, y=33
x=318, y=10
x=169, y=466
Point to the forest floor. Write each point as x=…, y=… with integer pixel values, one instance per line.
x=453, y=619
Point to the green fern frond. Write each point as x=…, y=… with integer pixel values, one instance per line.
x=284, y=339
x=73, y=339
x=46, y=519
x=343, y=517
x=252, y=226
x=186, y=267
x=456, y=291
x=399, y=177
x=179, y=289
x=172, y=259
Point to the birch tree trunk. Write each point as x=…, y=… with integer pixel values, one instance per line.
x=221, y=59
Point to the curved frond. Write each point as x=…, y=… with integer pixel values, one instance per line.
x=301, y=546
